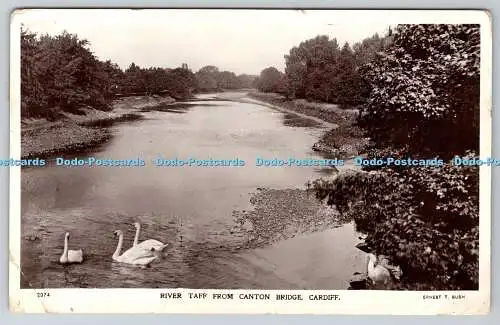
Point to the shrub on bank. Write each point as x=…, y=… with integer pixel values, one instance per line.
x=426, y=219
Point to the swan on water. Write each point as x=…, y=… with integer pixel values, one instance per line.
x=149, y=243
x=396, y=271
x=378, y=274
x=136, y=255
x=69, y=255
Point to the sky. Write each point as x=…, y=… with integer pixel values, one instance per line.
x=241, y=41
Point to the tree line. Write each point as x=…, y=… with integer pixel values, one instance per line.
x=60, y=73
x=210, y=79
x=320, y=69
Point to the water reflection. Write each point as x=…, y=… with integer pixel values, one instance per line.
x=192, y=209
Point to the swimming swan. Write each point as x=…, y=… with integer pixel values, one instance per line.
x=136, y=255
x=149, y=243
x=378, y=274
x=396, y=271
x=68, y=255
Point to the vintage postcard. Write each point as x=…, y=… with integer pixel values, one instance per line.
x=250, y=161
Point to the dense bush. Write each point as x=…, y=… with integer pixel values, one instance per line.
x=60, y=73
x=426, y=219
x=425, y=90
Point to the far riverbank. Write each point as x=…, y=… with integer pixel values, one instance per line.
x=344, y=139
x=41, y=138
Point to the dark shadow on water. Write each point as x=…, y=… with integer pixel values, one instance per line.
x=327, y=171
x=83, y=151
x=179, y=107
x=290, y=119
x=215, y=99
x=71, y=154
x=111, y=121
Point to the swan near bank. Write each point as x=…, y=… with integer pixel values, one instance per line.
x=136, y=255
x=378, y=274
x=149, y=243
x=70, y=256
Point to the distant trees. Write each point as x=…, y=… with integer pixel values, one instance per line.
x=177, y=83
x=207, y=77
x=310, y=68
x=228, y=80
x=349, y=83
x=60, y=73
x=271, y=80
x=366, y=50
x=247, y=81
x=180, y=83
x=319, y=69
x=210, y=78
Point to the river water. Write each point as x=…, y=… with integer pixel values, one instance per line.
x=190, y=208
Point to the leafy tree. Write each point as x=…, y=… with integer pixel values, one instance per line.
x=348, y=89
x=228, y=80
x=33, y=100
x=134, y=80
x=424, y=102
x=59, y=73
x=210, y=70
x=210, y=78
x=180, y=83
x=113, y=77
x=318, y=69
x=425, y=90
x=366, y=50
x=310, y=68
x=271, y=80
x=206, y=82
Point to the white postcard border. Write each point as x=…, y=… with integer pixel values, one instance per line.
x=350, y=301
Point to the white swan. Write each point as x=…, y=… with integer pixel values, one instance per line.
x=70, y=256
x=378, y=274
x=396, y=271
x=149, y=243
x=136, y=255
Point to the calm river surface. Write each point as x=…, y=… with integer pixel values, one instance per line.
x=190, y=208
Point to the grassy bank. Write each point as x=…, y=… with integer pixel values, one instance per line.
x=344, y=140
x=41, y=138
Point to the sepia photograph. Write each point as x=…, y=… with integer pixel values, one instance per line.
x=279, y=156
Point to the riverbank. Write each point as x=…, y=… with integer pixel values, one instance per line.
x=41, y=138
x=344, y=139
x=294, y=217
x=281, y=214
